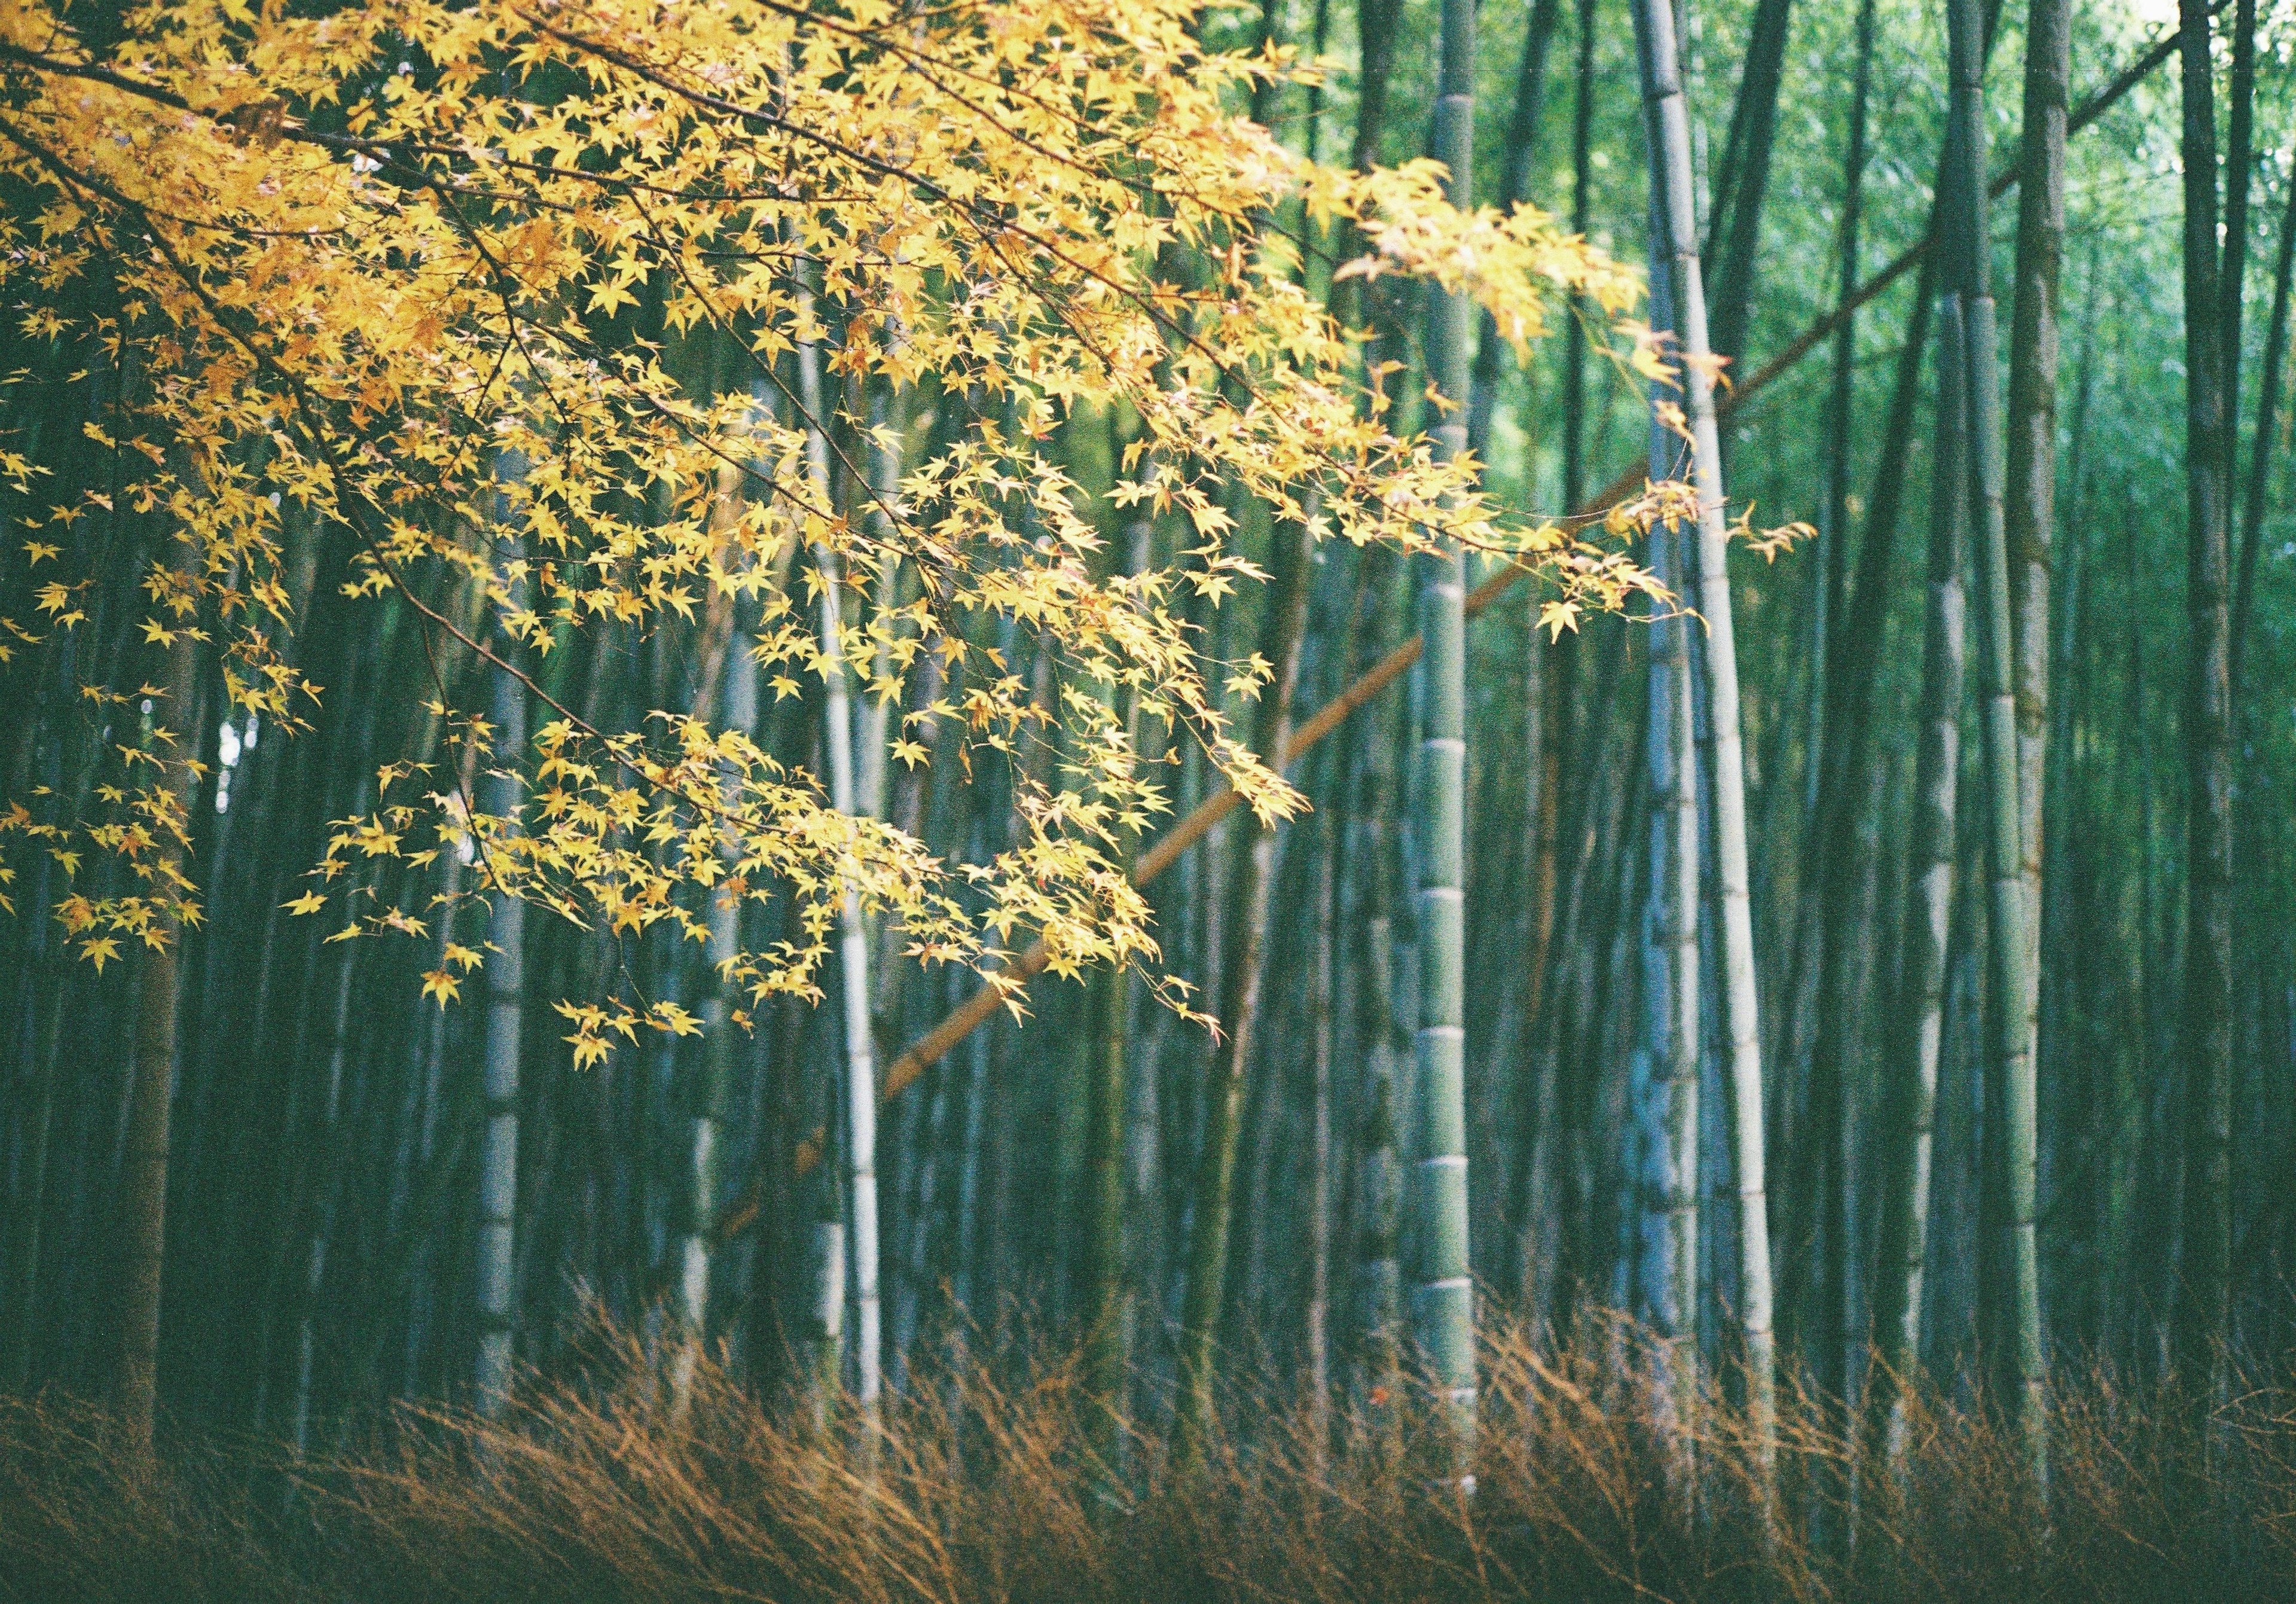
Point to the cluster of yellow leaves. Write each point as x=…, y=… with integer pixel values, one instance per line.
x=510, y=290
x=131, y=824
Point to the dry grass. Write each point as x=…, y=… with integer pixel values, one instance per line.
x=981, y=1493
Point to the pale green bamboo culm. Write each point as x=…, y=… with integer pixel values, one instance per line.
x=1676, y=232
x=2028, y=532
x=852, y=932
x=505, y=977
x=1910, y=1102
x=1443, y=1294
x=2013, y=1046
x=736, y=695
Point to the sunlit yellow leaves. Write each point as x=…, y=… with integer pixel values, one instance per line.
x=606, y=296
x=468, y=336
x=595, y=1026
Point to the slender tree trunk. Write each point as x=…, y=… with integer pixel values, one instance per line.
x=1582, y=185
x=1514, y=186
x=2032, y=446
x=1754, y=135
x=1911, y=1100
x=1378, y=1187
x=1544, y=722
x=860, y=1056
x=1828, y=914
x=1319, y=1142
x=1443, y=1310
x=1676, y=234
x=328, y=1162
x=2232, y=273
x=1670, y=981
x=1108, y=1262
x=38, y=1122
x=2013, y=1055
x=736, y=695
x=2259, y=454
x=1247, y=896
x=1829, y=566
x=143, y=1170
x=503, y=791
x=1664, y=1082
x=2205, y=1293
x=860, y=1077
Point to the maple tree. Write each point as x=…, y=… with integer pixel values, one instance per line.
x=506, y=293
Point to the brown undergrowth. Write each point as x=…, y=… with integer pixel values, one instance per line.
x=981, y=1491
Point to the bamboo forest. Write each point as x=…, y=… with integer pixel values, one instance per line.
x=1147, y=802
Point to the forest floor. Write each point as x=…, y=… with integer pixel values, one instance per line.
x=590, y=1490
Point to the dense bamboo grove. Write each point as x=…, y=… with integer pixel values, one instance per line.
x=1243, y=882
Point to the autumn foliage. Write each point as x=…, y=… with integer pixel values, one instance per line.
x=502, y=294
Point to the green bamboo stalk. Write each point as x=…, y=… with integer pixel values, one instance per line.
x=1318, y=1205
x=1830, y=562
x=852, y=931
x=505, y=791
x=1911, y=1097
x=1664, y=1078
x=1753, y=130
x=2032, y=449
x=1378, y=1275
x=329, y=1161
x=2204, y=1299
x=2260, y=447
x=1671, y=981
x=1831, y=1338
x=736, y=695
x=1442, y=1296
x=1110, y=1292
x=1514, y=186
x=143, y=1166
x=1582, y=187
x=2012, y=1045
x=1676, y=234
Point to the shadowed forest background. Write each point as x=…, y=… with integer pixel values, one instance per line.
x=953, y=803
